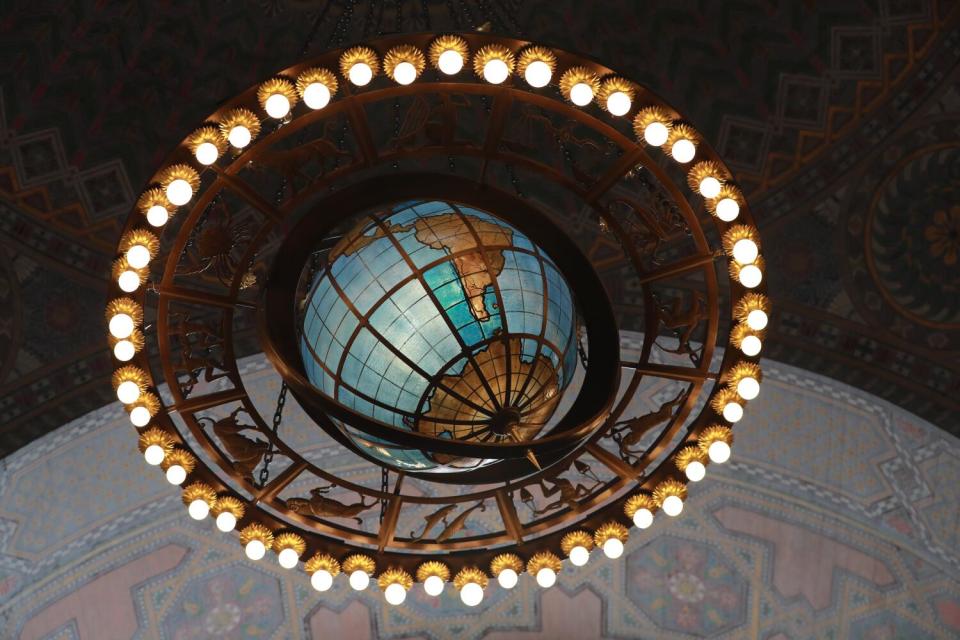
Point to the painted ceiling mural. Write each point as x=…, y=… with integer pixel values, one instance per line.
x=836, y=116
x=836, y=518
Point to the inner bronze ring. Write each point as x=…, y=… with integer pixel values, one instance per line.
x=278, y=328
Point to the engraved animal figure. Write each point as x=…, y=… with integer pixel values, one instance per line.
x=319, y=505
x=245, y=452
x=531, y=119
x=676, y=318
x=635, y=428
x=459, y=522
x=570, y=493
x=438, y=123
x=196, y=341
x=289, y=162
x=432, y=520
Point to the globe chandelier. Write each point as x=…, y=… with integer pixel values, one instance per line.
x=522, y=449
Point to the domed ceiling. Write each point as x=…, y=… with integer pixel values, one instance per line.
x=840, y=119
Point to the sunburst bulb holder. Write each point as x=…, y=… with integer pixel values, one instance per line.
x=138, y=256
x=718, y=452
x=508, y=578
x=643, y=518
x=581, y=94
x=619, y=103
x=433, y=586
x=255, y=550
x=751, y=276
x=239, y=137
x=546, y=577
x=683, y=150
x=154, y=455
x=655, y=134
x=157, y=215
x=121, y=326
x=496, y=71
x=471, y=594
x=176, y=475
x=128, y=281
x=316, y=96
x=745, y=251
x=226, y=521
x=709, y=187
x=128, y=392
x=695, y=471
x=748, y=388
x=140, y=416
x=728, y=209
x=732, y=412
x=206, y=153
x=288, y=558
x=405, y=73
x=751, y=345
x=450, y=62
x=360, y=74
x=673, y=506
x=321, y=580
x=579, y=556
x=613, y=548
x=395, y=594
x=538, y=74
x=198, y=509
x=277, y=106
x=359, y=580
x=179, y=191
x=124, y=351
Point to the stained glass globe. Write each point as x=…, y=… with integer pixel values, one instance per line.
x=440, y=319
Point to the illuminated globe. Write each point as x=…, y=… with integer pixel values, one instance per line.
x=444, y=320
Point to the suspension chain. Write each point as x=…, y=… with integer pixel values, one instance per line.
x=277, y=418
x=384, y=487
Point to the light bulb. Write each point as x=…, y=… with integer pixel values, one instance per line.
x=128, y=392
x=121, y=326
x=359, y=580
x=179, y=192
x=124, y=351
x=508, y=578
x=128, y=281
x=709, y=187
x=405, y=73
x=695, y=471
x=718, y=451
x=748, y=388
x=138, y=256
x=198, y=509
x=176, y=475
x=277, y=106
x=750, y=345
x=255, y=550
x=579, y=556
x=226, y=521
x=288, y=558
x=139, y=416
x=537, y=74
x=643, y=518
x=321, y=580
x=433, y=585
x=157, y=215
x=750, y=276
x=546, y=577
x=745, y=251
x=495, y=71
x=656, y=134
x=683, y=150
x=672, y=506
x=471, y=594
x=728, y=209
x=360, y=74
x=206, y=153
x=581, y=94
x=613, y=548
x=732, y=412
x=154, y=454
x=239, y=136
x=316, y=96
x=395, y=594
x=618, y=103
x=450, y=62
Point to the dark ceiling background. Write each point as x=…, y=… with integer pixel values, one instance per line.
x=840, y=118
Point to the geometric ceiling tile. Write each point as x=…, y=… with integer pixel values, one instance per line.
x=39, y=157
x=105, y=190
x=802, y=101
x=743, y=143
x=887, y=624
x=855, y=52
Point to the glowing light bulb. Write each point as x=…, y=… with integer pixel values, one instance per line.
x=321, y=580
x=471, y=594
x=683, y=150
x=618, y=103
x=121, y=326
x=748, y=388
x=433, y=585
x=139, y=416
x=395, y=594
x=154, y=454
x=124, y=351
x=613, y=548
x=495, y=71
x=316, y=96
x=157, y=215
x=128, y=392
x=359, y=580
x=226, y=522
x=239, y=136
x=546, y=577
x=128, y=281
x=718, y=451
x=508, y=578
x=581, y=94
x=728, y=209
x=579, y=556
x=643, y=518
x=745, y=251
x=656, y=134
x=672, y=506
x=176, y=475
x=450, y=62
x=757, y=320
x=198, y=509
x=696, y=471
x=750, y=345
x=360, y=74
x=537, y=74
x=732, y=412
x=138, y=256
x=277, y=106
x=255, y=550
x=750, y=276
x=404, y=73
x=206, y=153
x=709, y=187
x=179, y=192
x=288, y=558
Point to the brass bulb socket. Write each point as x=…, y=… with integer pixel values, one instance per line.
x=492, y=52
x=395, y=575
x=127, y=306
x=357, y=55
x=647, y=116
x=750, y=302
x=315, y=75
x=688, y=455
x=739, y=232
x=180, y=171
x=404, y=53
x=433, y=568
x=543, y=560
x=741, y=331
x=359, y=562
x=120, y=266
x=147, y=400
x=228, y=504
x=256, y=531
x=741, y=370
x=444, y=43
x=576, y=539
x=714, y=433
x=278, y=85
x=681, y=131
x=613, y=84
x=470, y=574
x=289, y=540
x=322, y=561
x=505, y=561
x=726, y=191
x=207, y=133
x=610, y=530
x=669, y=488
x=724, y=397
x=141, y=237
x=156, y=436
x=705, y=169
x=152, y=197
x=240, y=117
x=736, y=267
x=181, y=457
x=639, y=501
x=578, y=75
x=533, y=53
x=129, y=373
x=199, y=491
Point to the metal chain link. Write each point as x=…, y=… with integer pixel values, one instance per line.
x=384, y=487
x=277, y=418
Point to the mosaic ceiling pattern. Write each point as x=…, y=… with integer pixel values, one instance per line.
x=837, y=117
